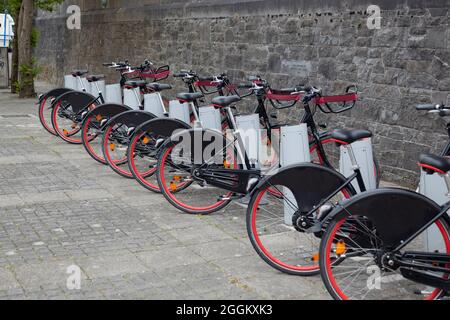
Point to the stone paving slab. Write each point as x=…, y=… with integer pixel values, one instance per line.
x=60, y=208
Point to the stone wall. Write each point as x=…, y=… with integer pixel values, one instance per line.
x=324, y=43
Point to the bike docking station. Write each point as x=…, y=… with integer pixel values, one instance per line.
x=113, y=93
x=362, y=151
x=434, y=187
x=180, y=111
x=154, y=104
x=132, y=98
x=210, y=118
x=294, y=149
x=82, y=84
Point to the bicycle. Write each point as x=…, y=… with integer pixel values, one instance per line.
x=290, y=244
x=144, y=146
x=96, y=120
x=239, y=179
x=69, y=109
x=50, y=96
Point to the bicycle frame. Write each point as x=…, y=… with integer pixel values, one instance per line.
x=247, y=171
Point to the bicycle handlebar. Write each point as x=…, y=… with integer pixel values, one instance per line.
x=430, y=107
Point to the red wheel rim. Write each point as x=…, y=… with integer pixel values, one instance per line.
x=333, y=282
x=135, y=170
x=61, y=134
x=171, y=196
x=87, y=141
x=42, y=117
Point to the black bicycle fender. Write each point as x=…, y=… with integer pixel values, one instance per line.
x=397, y=214
x=77, y=99
x=53, y=94
x=309, y=183
x=132, y=118
x=164, y=127
x=108, y=110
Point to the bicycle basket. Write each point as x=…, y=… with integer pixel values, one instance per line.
x=281, y=99
x=156, y=75
x=338, y=103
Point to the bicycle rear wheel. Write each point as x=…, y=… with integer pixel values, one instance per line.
x=115, y=144
x=66, y=123
x=45, y=116
x=361, y=273
x=275, y=239
x=142, y=160
x=91, y=138
x=175, y=173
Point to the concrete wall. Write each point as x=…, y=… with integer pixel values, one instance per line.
x=324, y=43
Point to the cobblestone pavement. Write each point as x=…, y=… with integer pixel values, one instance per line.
x=60, y=208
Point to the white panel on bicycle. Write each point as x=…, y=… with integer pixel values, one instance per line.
x=70, y=82
x=210, y=118
x=180, y=111
x=434, y=187
x=101, y=86
x=129, y=98
x=294, y=148
x=249, y=129
x=364, y=156
x=153, y=103
x=86, y=85
x=114, y=93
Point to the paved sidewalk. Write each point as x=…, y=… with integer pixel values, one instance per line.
x=60, y=208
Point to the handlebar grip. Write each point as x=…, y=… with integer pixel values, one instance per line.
x=108, y=64
x=427, y=107
x=179, y=75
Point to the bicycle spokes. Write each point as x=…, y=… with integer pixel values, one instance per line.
x=357, y=265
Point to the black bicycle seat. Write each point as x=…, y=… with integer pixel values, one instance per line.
x=95, y=78
x=435, y=163
x=190, y=97
x=135, y=83
x=225, y=101
x=159, y=86
x=350, y=136
x=79, y=73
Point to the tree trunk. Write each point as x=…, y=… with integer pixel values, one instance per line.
x=15, y=57
x=26, y=65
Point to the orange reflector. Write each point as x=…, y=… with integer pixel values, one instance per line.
x=112, y=146
x=226, y=164
x=146, y=140
x=340, y=248
x=315, y=258
x=66, y=132
x=173, y=186
x=177, y=178
x=99, y=117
